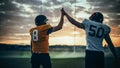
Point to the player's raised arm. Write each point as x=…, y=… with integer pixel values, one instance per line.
x=110, y=44
x=73, y=21
x=59, y=26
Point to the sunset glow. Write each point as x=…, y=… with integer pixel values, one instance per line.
x=17, y=18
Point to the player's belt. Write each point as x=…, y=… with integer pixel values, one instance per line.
x=37, y=52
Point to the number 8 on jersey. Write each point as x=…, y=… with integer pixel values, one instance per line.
x=35, y=35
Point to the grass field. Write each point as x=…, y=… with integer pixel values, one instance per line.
x=21, y=59
x=56, y=63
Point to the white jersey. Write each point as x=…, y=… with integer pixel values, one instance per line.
x=95, y=33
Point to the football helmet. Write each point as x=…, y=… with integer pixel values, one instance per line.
x=97, y=16
x=40, y=20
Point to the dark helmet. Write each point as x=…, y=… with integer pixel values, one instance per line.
x=40, y=20
x=97, y=16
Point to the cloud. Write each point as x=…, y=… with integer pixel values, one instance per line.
x=110, y=8
x=17, y=16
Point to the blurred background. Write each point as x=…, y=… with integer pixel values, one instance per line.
x=67, y=46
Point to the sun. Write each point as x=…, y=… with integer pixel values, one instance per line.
x=65, y=40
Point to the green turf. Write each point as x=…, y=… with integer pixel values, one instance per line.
x=19, y=59
x=56, y=63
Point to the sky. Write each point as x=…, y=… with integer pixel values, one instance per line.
x=17, y=18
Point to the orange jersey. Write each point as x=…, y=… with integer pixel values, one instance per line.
x=39, y=38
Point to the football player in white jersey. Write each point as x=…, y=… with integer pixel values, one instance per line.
x=96, y=31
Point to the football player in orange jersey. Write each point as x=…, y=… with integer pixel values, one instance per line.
x=39, y=41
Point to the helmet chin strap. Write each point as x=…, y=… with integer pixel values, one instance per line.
x=45, y=21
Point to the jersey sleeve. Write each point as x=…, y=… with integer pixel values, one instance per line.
x=50, y=30
x=85, y=23
x=30, y=31
x=107, y=29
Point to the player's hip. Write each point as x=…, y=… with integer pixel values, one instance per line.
x=40, y=57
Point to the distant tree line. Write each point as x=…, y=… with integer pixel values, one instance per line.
x=59, y=48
